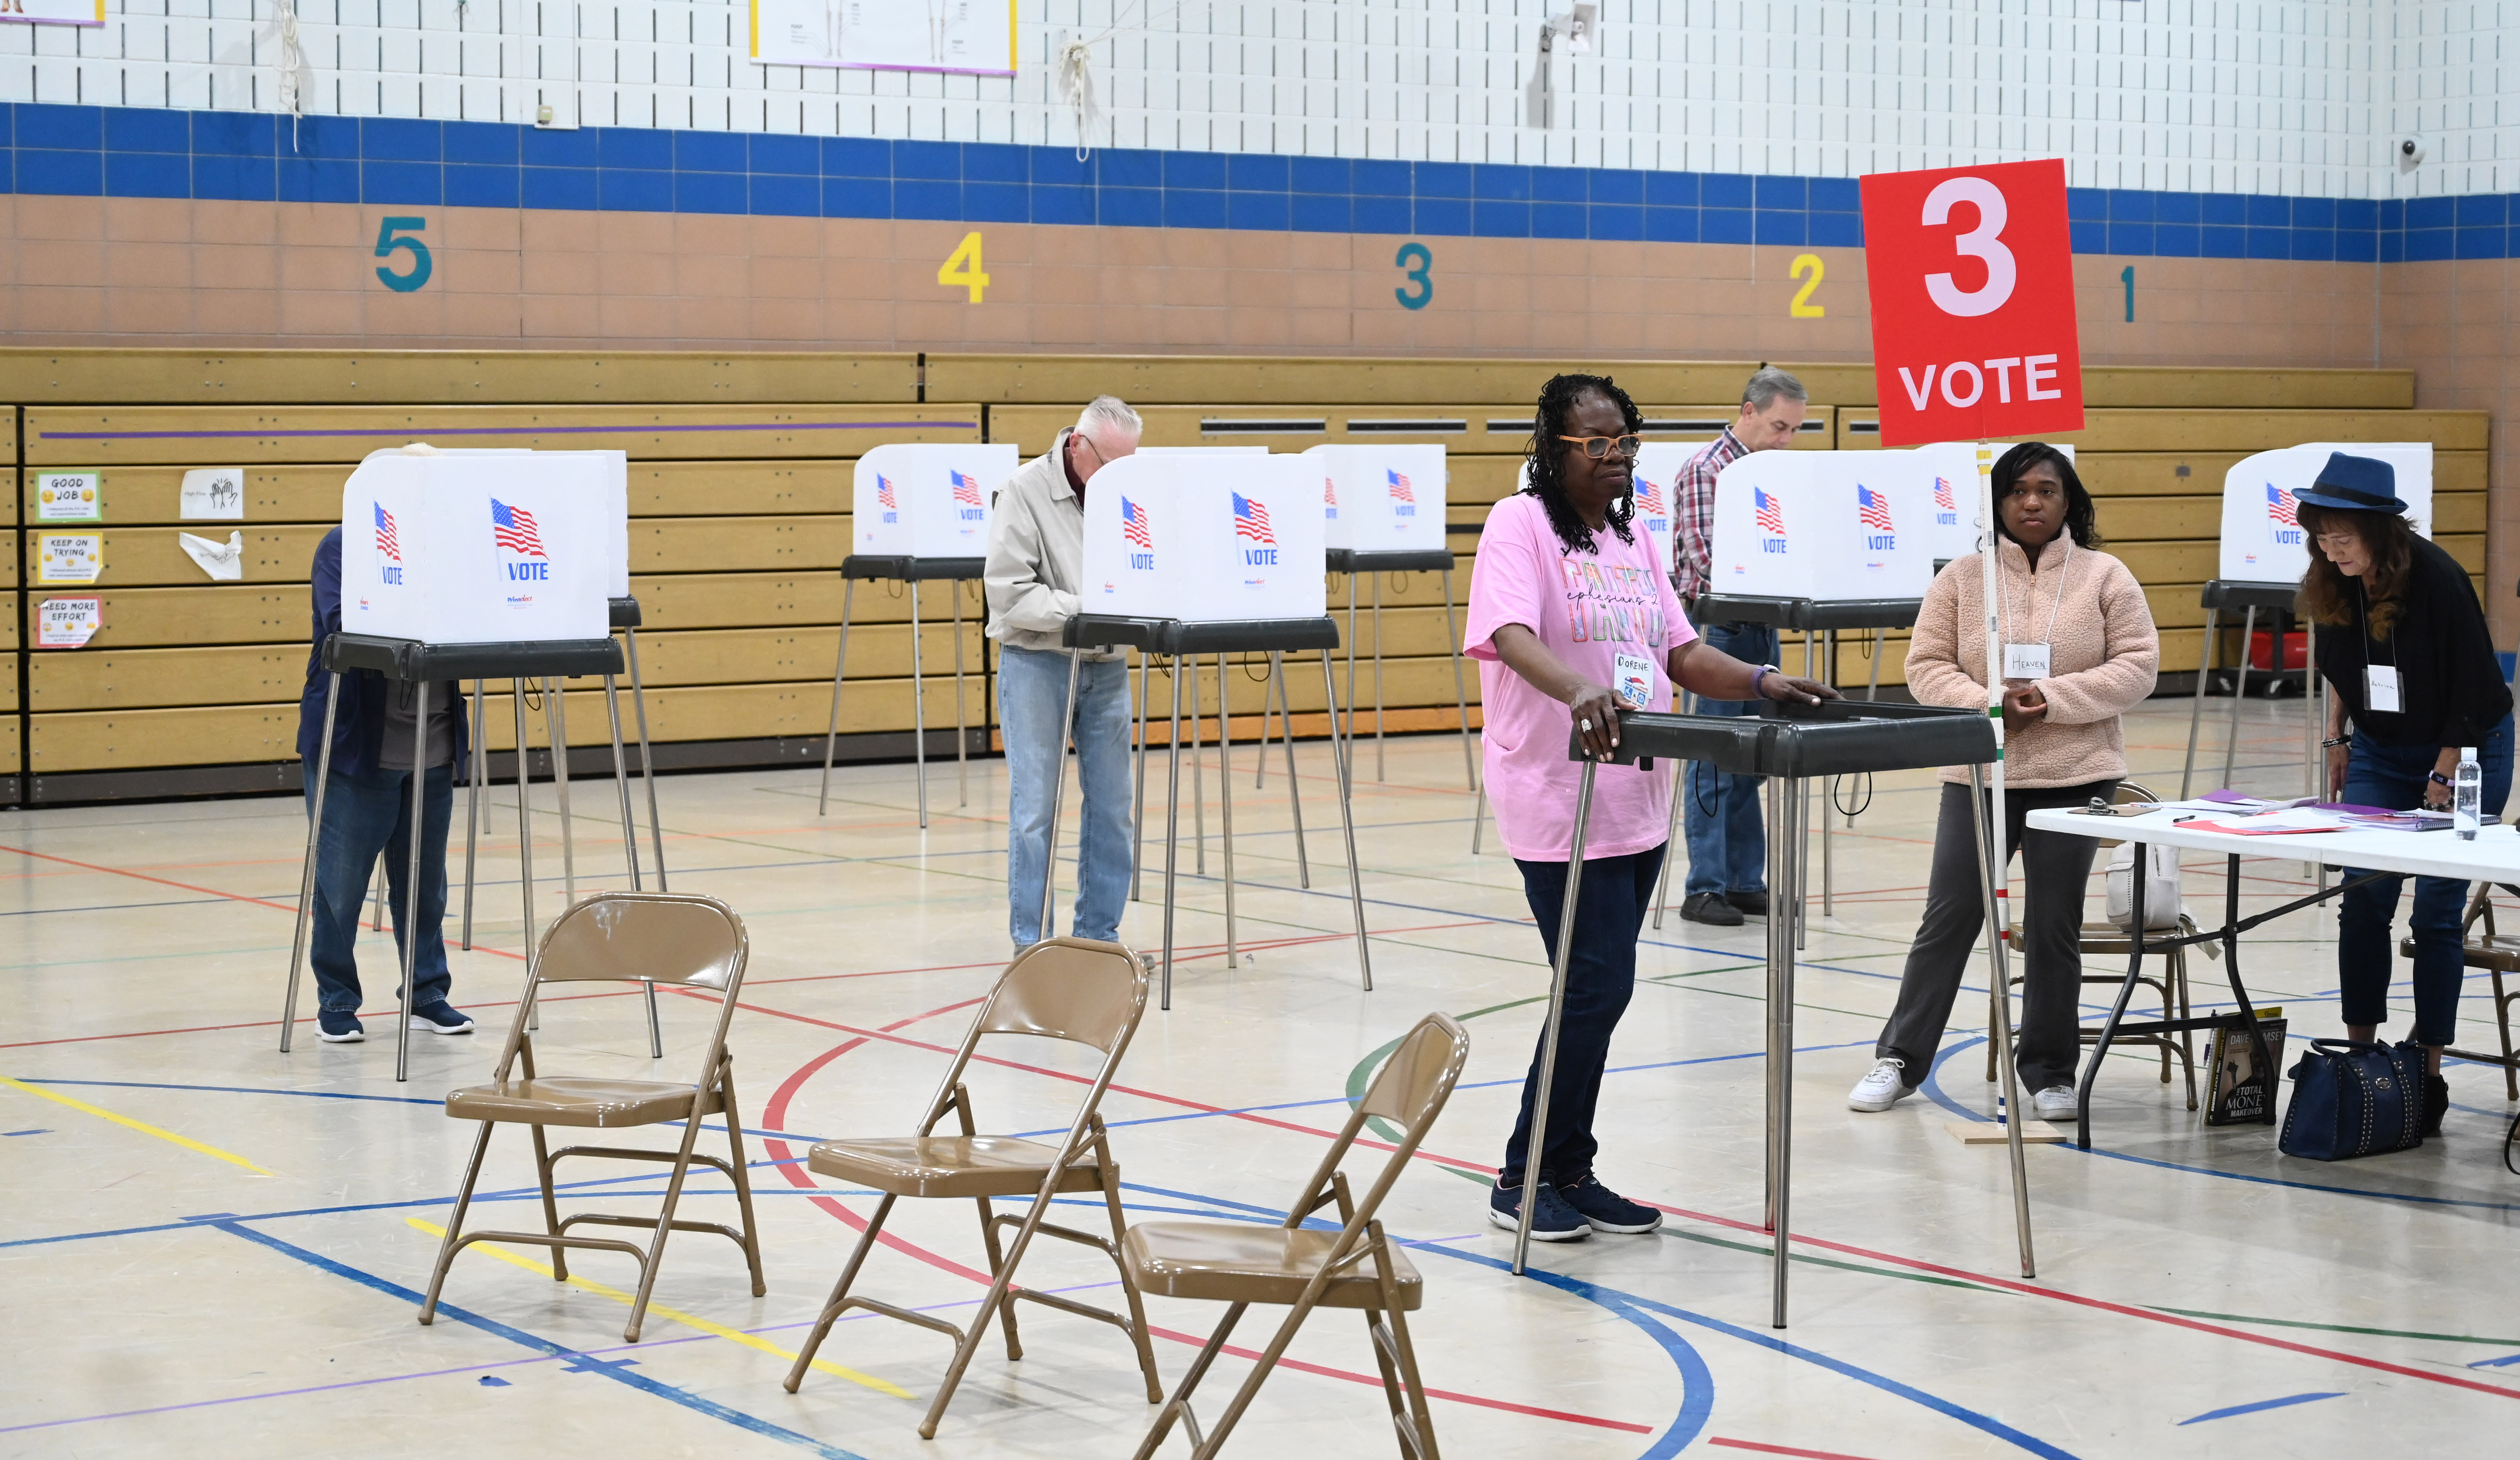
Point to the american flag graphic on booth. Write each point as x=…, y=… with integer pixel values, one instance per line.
x=386, y=543
x=1133, y=525
x=513, y=527
x=1329, y=492
x=1251, y=521
x=1769, y=517
x=967, y=489
x=1648, y=499
x=1943, y=494
x=1400, y=491
x=883, y=491
x=2281, y=509
x=1872, y=509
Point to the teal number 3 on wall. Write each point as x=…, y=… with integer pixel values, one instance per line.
x=389, y=241
x=1415, y=260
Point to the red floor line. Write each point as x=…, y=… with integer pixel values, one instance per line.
x=1778, y=1449
x=776, y=1110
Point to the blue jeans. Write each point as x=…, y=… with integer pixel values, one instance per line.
x=1032, y=691
x=1728, y=843
x=1601, y=978
x=364, y=816
x=2392, y=776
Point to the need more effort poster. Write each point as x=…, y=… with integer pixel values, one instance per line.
x=974, y=37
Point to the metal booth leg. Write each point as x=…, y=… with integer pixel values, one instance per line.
x=1172, y=824
x=1535, y=1147
x=839, y=671
x=314, y=845
x=1785, y=808
x=525, y=837
x=961, y=734
x=1138, y=806
x=1828, y=799
x=2239, y=692
x=2311, y=723
x=1377, y=680
x=1057, y=789
x=2196, y=703
x=1802, y=825
x=918, y=704
x=1460, y=688
x=1268, y=704
x=630, y=845
x=1351, y=657
x=1671, y=834
x=475, y=773
x=1224, y=787
x=555, y=730
x=1347, y=825
x=1993, y=863
x=1479, y=820
x=1187, y=664
x=407, y=917
x=647, y=760
x=1295, y=790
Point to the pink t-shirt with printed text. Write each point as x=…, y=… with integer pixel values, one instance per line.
x=1611, y=617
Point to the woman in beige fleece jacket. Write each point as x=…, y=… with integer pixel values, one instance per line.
x=2082, y=651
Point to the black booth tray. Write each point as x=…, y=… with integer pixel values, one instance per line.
x=2236, y=594
x=1194, y=636
x=1411, y=559
x=1807, y=613
x=626, y=612
x=903, y=568
x=410, y=659
x=1834, y=738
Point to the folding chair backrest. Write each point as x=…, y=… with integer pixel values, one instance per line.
x=1411, y=1088
x=2129, y=792
x=663, y=937
x=1069, y=988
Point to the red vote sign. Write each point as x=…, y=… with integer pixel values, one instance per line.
x=1972, y=278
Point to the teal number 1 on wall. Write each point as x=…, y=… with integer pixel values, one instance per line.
x=1415, y=260
x=389, y=241
x=2129, y=278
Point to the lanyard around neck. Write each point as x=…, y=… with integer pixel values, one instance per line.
x=2031, y=586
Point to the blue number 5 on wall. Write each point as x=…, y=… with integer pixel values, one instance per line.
x=389, y=243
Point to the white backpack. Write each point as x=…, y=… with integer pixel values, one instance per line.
x=2162, y=908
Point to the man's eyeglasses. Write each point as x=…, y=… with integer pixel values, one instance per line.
x=1598, y=447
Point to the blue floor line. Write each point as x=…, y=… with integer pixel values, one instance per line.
x=2263, y=1404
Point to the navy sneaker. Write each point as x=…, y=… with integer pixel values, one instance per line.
x=440, y=1018
x=1552, y=1219
x=338, y=1027
x=1604, y=1209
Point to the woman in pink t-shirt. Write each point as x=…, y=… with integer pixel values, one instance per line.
x=1574, y=620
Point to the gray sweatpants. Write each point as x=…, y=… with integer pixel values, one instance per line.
x=2056, y=869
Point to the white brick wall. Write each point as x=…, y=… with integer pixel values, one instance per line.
x=2268, y=96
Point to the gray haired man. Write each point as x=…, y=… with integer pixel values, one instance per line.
x=1035, y=572
x=1727, y=844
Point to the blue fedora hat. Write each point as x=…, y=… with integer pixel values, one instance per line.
x=2354, y=484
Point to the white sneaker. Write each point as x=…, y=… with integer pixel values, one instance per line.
x=2056, y=1102
x=1883, y=1089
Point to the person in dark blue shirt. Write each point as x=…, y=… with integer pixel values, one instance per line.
x=367, y=812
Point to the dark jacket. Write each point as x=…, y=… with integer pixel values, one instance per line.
x=2448, y=680
x=359, y=719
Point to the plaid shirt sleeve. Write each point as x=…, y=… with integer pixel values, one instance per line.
x=1694, y=513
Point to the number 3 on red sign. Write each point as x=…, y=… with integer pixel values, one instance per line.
x=1985, y=243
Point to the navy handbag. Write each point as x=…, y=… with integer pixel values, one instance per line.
x=2352, y=1100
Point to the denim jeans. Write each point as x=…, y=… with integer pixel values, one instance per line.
x=1728, y=843
x=2392, y=776
x=366, y=815
x=1601, y=978
x=1032, y=691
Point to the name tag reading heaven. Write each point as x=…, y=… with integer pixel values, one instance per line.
x=2025, y=660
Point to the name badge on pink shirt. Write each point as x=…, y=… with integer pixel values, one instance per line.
x=1635, y=680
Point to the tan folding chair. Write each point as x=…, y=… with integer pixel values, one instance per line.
x=2109, y=940
x=632, y=938
x=1062, y=989
x=1357, y=1266
x=2497, y=954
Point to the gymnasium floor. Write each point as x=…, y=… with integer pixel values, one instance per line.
x=208, y=1246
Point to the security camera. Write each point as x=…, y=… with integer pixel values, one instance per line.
x=2410, y=152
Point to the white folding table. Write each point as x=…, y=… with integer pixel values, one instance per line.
x=2494, y=857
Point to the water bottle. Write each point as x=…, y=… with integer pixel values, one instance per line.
x=2467, y=791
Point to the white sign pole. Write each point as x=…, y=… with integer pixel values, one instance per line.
x=1996, y=859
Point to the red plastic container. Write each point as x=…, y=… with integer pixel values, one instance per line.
x=2261, y=650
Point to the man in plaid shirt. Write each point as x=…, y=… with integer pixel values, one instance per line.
x=1727, y=848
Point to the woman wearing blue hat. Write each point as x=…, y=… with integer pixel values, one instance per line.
x=2410, y=664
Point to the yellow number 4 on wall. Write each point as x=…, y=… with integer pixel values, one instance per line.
x=963, y=267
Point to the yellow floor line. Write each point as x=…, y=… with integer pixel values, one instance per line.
x=143, y=1126
x=658, y=1309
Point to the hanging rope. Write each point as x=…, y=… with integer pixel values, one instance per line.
x=1074, y=71
x=293, y=68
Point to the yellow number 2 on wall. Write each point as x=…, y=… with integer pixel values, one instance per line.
x=1803, y=307
x=963, y=267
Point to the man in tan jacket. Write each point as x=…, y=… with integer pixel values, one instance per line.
x=1035, y=567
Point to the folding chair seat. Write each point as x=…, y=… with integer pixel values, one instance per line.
x=1299, y=1268
x=633, y=938
x=2497, y=954
x=1062, y=989
x=2109, y=940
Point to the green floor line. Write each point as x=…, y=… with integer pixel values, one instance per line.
x=1769, y=1253
x=2384, y=1333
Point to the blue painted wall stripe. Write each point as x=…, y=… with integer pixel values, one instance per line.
x=120, y=151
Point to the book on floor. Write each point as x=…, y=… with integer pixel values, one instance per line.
x=2237, y=1091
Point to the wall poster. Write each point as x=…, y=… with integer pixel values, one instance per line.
x=974, y=38
x=54, y=12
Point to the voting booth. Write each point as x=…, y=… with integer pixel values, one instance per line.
x=1381, y=498
x=1209, y=538
x=484, y=547
x=926, y=500
x=1821, y=525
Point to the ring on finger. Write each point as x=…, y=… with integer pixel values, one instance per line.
x=1585, y=725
